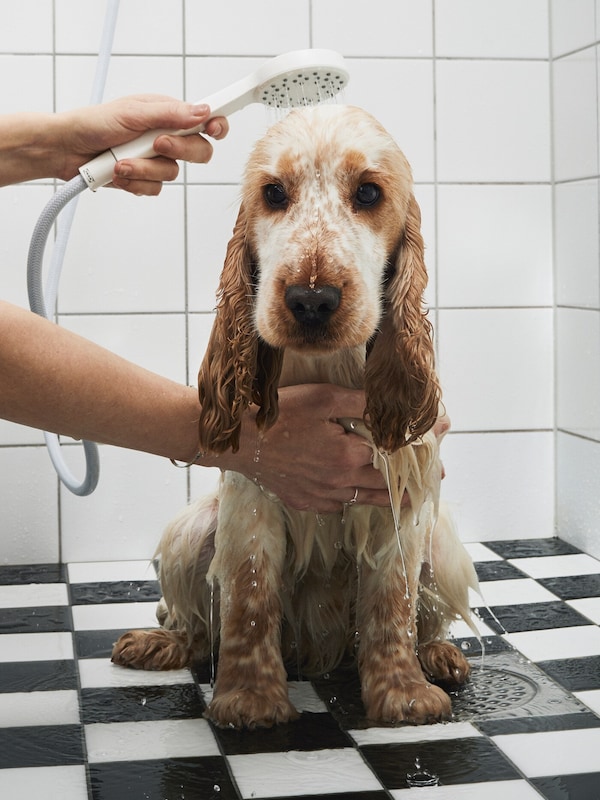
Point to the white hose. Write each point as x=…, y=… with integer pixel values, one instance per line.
x=45, y=304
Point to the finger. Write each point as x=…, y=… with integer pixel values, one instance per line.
x=146, y=169
x=193, y=148
x=217, y=128
x=137, y=187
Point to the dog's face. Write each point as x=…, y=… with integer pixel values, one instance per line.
x=326, y=196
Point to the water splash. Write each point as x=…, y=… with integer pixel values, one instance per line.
x=211, y=632
x=421, y=777
x=395, y=515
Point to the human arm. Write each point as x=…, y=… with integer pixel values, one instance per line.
x=54, y=380
x=37, y=145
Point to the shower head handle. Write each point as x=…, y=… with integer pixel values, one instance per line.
x=298, y=78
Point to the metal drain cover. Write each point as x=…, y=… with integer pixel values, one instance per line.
x=507, y=685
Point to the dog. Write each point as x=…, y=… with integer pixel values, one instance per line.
x=323, y=282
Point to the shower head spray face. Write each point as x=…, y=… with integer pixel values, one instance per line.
x=299, y=78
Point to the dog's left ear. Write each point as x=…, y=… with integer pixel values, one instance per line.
x=401, y=386
x=238, y=367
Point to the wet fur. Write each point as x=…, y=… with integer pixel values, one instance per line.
x=286, y=586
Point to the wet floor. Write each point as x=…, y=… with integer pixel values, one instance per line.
x=76, y=727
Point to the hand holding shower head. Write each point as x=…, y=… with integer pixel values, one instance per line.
x=299, y=78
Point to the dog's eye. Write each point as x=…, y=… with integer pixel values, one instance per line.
x=275, y=195
x=367, y=195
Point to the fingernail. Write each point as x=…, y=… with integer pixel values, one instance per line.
x=216, y=130
x=123, y=170
x=200, y=110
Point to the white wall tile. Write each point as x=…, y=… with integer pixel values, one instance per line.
x=577, y=249
x=211, y=215
x=500, y=486
x=577, y=373
x=26, y=27
x=578, y=500
x=496, y=368
x=495, y=245
x=575, y=116
x=125, y=254
x=492, y=121
x=493, y=29
x=29, y=507
x=154, y=341
x=572, y=24
x=409, y=116
x=263, y=27
x=26, y=83
x=137, y=495
x=143, y=26
x=402, y=28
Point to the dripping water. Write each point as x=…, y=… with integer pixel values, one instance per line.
x=211, y=632
x=396, y=517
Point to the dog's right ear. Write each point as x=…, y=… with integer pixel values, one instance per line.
x=238, y=368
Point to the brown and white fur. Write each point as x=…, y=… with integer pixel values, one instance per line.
x=323, y=282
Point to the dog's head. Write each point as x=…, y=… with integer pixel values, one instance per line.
x=326, y=254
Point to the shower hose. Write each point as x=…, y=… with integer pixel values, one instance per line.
x=44, y=304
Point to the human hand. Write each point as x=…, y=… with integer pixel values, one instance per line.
x=89, y=131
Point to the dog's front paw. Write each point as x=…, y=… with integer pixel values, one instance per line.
x=444, y=662
x=247, y=708
x=415, y=702
x=154, y=649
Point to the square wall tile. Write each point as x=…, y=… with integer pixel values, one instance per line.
x=411, y=82
x=578, y=377
x=26, y=83
x=496, y=368
x=495, y=245
x=26, y=27
x=575, y=116
x=137, y=495
x=211, y=215
x=125, y=254
x=577, y=498
x=402, y=28
x=576, y=244
x=29, y=508
x=495, y=29
x=572, y=24
x=500, y=485
x=263, y=27
x=493, y=121
x=142, y=26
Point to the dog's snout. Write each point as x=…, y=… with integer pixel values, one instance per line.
x=312, y=306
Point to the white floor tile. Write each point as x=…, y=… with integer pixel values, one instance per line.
x=557, y=566
x=590, y=699
x=132, y=741
x=558, y=643
x=479, y=552
x=31, y=595
x=98, y=672
x=111, y=571
x=20, y=709
x=36, y=647
x=588, y=606
x=423, y=733
x=296, y=773
x=66, y=783
x=494, y=790
x=514, y=592
x=107, y=616
x=553, y=753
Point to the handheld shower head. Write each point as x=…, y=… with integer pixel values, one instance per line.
x=299, y=78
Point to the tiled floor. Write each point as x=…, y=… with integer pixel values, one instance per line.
x=75, y=727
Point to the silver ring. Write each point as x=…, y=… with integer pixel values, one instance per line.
x=354, y=499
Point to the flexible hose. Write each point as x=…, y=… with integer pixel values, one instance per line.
x=44, y=304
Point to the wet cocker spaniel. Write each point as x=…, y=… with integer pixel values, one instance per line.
x=323, y=282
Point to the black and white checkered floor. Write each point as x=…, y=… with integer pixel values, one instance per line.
x=75, y=727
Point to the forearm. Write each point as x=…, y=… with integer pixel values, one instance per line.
x=29, y=147
x=55, y=380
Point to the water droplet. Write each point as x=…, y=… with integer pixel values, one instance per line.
x=421, y=777
x=254, y=584
x=144, y=701
x=338, y=545
x=216, y=788
x=252, y=623
x=465, y=645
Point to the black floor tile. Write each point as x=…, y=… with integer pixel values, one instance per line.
x=45, y=746
x=37, y=676
x=33, y=573
x=497, y=571
x=575, y=674
x=569, y=787
x=573, y=587
x=532, y=548
x=42, y=619
x=141, y=703
x=114, y=592
x=541, y=724
x=531, y=617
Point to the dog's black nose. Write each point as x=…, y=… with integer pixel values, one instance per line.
x=312, y=306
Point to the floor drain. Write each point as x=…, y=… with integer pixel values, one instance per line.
x=507, y=685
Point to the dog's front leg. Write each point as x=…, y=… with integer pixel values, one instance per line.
x=251, y=684
x=394, y=688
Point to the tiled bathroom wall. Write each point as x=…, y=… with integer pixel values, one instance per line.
x=469, y=89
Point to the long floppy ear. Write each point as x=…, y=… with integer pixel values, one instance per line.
x=401, y=385
x=238, y=367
